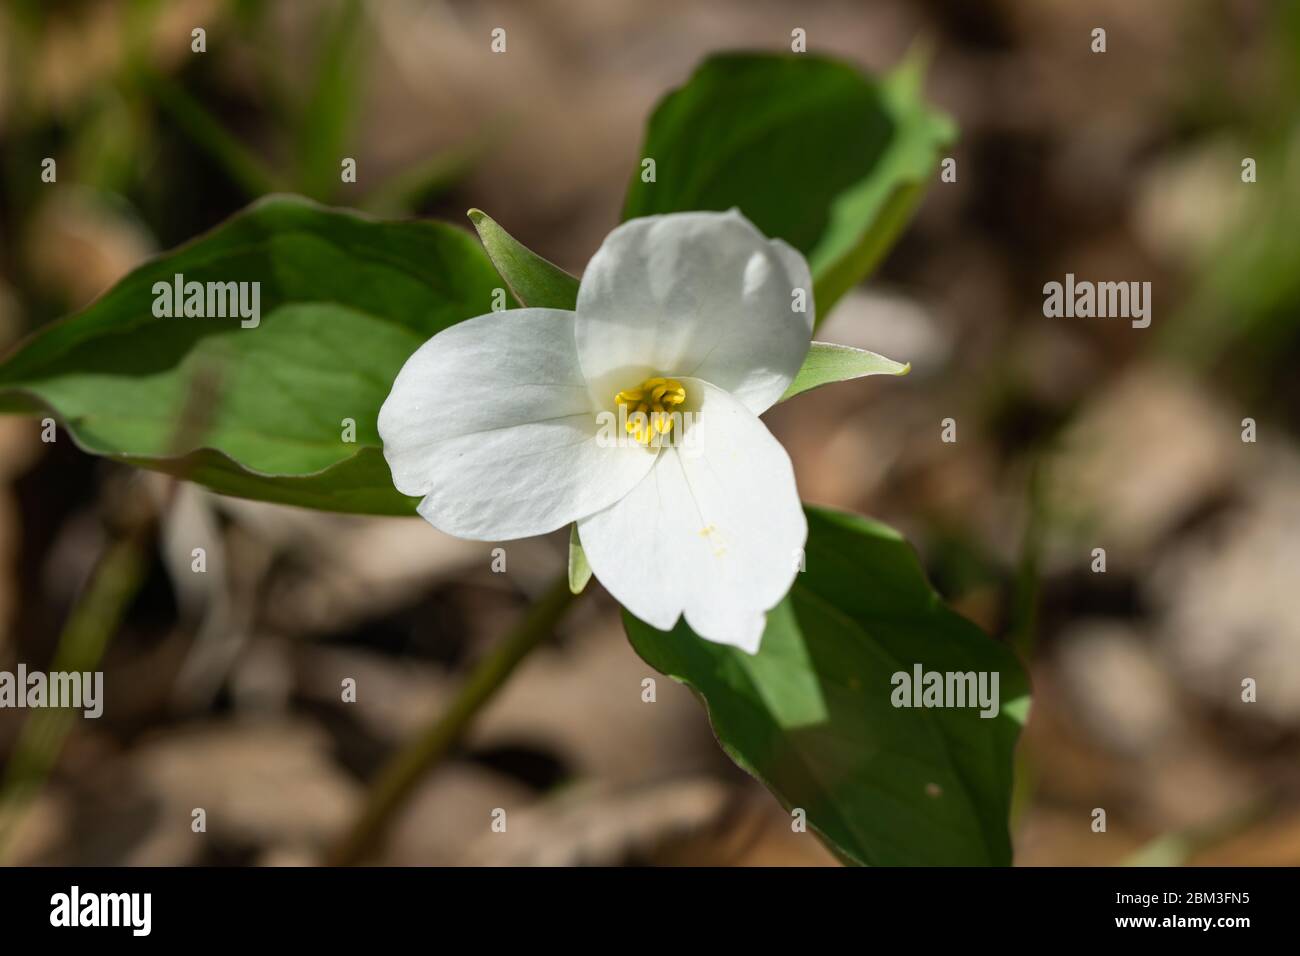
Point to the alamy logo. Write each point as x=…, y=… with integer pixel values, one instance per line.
x=83, y=690
x=75, y=908
x=669, y=429
x=923, y=688
x=208, y=300
x=1105, y=300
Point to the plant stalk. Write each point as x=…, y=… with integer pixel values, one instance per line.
x=398, y=779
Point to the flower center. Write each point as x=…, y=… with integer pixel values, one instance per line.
x=651, y=407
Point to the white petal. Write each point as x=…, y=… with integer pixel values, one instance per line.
x=491, y=420
x=714, y=531
x=700, y=294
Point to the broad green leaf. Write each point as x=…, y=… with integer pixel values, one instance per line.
x=534, y=281
x=579, y=569
x=260, y=412
x=827, y=363
x=811, y=715
x=810, y=149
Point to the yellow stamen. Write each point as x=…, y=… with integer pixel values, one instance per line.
x=650, y=406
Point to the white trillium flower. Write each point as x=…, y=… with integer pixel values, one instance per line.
x=635, y=416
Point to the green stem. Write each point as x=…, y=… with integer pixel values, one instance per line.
x=242, y=166
x=116, y=581
x=398, y=779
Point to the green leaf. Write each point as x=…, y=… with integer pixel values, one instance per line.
x=535, y=281
x=808, y=148
x=260, y=412
x=811, y=716
x=827, y=363
x=579, y=569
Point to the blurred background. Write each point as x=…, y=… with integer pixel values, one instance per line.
x=223, y=689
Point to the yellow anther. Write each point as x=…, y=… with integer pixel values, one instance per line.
x=650, y=407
